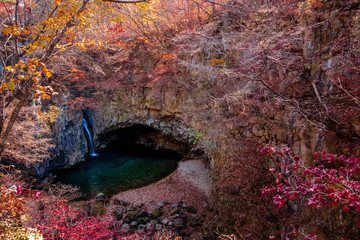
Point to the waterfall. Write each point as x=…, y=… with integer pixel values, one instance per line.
x=89, y=138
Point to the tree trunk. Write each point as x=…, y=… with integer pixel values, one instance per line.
x=14, y=114
x=1, y=112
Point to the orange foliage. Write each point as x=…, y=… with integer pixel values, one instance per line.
x=12, y=207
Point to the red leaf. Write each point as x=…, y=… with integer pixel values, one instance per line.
x=279, y=200
x=346, y=209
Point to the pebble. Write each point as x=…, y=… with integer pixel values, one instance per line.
x=141, y=226
x=149, y=226
x=194, y=222
x=130, y=209
x=141, y=231
x=125, y=226
x=191, y=209
x=143, y=213
x=136, y=218
x=174, y=211
x=118, y=212
x=165, y=221
x=126, y=220
x=158, y=227
x=142, y=220
x=120, y=202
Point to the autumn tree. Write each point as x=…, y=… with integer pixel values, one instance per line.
x=32, y=34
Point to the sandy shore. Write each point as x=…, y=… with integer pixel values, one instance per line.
x=190, y=183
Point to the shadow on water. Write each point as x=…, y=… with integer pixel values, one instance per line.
x=119, y=167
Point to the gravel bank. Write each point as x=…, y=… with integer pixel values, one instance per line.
x=190, y=183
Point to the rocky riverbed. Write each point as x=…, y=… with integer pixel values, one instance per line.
x=179, y=202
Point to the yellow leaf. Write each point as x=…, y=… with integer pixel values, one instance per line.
x=12, y=85
x=49, y=73
x=20, y=77
x=58, y=2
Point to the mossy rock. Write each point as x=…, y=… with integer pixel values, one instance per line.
x=157, y=213
x=132, y=215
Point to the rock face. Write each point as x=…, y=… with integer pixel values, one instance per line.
x=154, y=131
x=356, y=125
x=69, y=138
x=141, y=123
x=157, y=108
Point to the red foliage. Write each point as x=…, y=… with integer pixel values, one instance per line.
x=320, y=184
x=81, y=103
x=61, y=221
x=117, y=28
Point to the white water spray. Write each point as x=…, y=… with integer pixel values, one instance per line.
x=92, y=152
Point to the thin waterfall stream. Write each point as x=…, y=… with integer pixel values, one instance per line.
x=88, y=134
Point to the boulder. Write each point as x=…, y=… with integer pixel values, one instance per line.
x=132, y=215
x=157, y=212
x=174, y=211
x=100, y=197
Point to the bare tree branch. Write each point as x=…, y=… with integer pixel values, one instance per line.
x=126, y=1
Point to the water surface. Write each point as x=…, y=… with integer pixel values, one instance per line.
x=118, y=168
